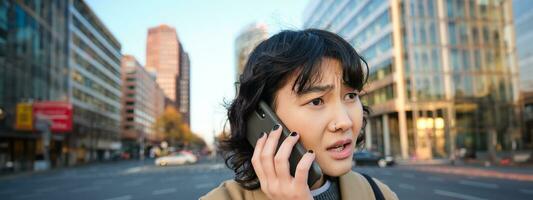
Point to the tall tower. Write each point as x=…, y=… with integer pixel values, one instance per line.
x=162, y=56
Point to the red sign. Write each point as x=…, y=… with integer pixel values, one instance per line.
x=58, y=112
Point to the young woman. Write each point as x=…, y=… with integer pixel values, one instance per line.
x=311, y=79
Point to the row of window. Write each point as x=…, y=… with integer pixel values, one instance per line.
x=89, y=99
x=379, y=96
x=93, y=70
x=356, y=20
x=93, y=39
x=92, y=85
x=94, y=56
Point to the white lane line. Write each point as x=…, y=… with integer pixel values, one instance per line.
x=86, y=189
x=456, y=195
x=526, y=191
x=204, y=185
x=406, y=186
x=164, y=191
x=479, y=184
x=433, y=178
x=125, y=197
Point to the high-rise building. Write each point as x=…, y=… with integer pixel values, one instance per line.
x=443, y=75
x=246, y=42
x=33, y=67
x=184, y=87
x=162, y=55
x=95, y=86
x=142, y=102
x=524, y=38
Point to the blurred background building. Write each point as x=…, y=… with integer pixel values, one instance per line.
x=246, y=42
x=33, y=67
x=184, y=86
x=443, y=77
x=163, y=54
x=142, y=102
x=524, y=38
x=94, y=60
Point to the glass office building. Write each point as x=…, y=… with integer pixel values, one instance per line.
x=443, y=79
x=524, y=38
x=94, y=59
x=33, y=67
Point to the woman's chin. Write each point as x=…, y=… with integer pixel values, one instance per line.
x=337, y=168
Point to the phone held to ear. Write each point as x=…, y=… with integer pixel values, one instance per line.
x=262, y=120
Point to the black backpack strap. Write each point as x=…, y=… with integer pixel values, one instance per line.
x=377, y=192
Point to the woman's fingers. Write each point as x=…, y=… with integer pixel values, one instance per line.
x=268, y=152
x=302, y=170
x=256, y=157
x=281, y=160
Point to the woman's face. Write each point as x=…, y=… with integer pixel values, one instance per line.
x=328, y=117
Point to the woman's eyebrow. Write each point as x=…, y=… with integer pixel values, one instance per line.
x=315, y=88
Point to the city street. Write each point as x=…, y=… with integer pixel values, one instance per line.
x=142, y=180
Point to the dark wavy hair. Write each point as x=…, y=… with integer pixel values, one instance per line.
x=268, y=68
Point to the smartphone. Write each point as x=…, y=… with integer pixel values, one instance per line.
x=262, y=120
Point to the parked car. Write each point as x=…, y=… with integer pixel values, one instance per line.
x=366, y=157
x=178, y=158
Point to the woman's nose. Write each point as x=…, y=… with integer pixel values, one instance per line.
x=341, y=120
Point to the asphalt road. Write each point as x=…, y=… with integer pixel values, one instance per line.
x=142, y=180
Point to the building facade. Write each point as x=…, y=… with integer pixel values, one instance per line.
x=162, y=56
x=246, y=42
x=33, y=67
x=524, y=37
x=95, y=86
x=443, y=78
x=142, y=102
x=184, y=87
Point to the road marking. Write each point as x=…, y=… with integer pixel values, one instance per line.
x=479, y=184
x=164, y=191
x=406, y=186
x=125, y=197
x=456, y=195
x=205, y=185
x=433, y=178
x=86, y=189
x=526, y=191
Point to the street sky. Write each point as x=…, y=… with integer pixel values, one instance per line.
x=207, y=30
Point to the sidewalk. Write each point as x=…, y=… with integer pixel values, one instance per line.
x=523, y=172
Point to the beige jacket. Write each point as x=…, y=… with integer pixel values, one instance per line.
x=352, y=185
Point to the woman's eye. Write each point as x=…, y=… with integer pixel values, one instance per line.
x=316, y=102
x=350, y=96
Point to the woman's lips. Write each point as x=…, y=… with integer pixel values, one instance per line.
x=341, y=149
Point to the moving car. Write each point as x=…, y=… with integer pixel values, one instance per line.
x=365, y=157
x=178, y=158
